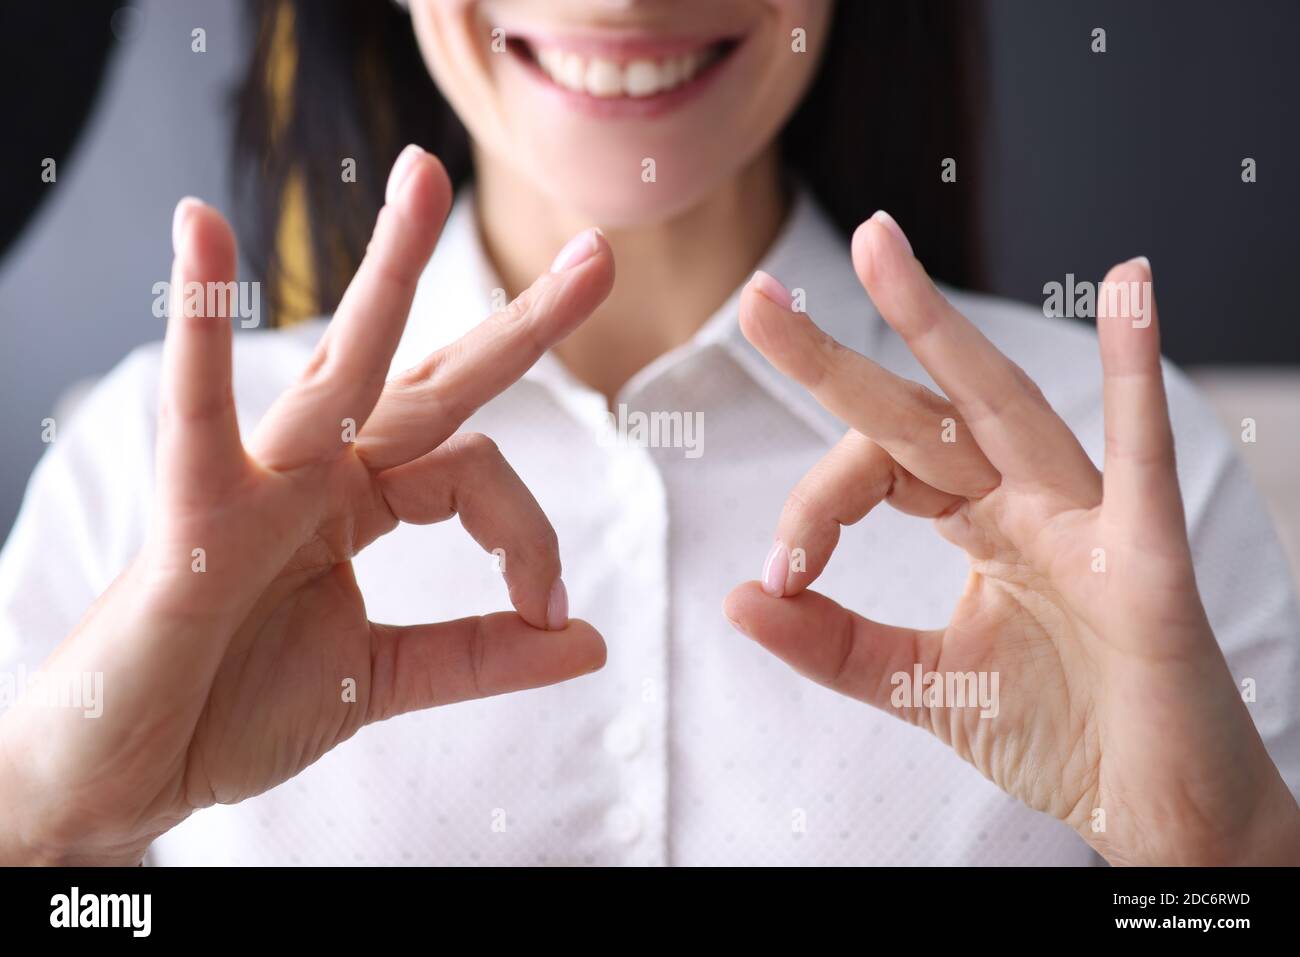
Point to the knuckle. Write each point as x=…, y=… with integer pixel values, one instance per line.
x=312, y=390
x=522, y=305
x=917, y=428
x=928, y=400
x=195, y=411
x=543, y=550
x=821, y=360
x=426, y=386
x=839, y=671
x=475, y=446
x=425, y=371
x=1026, y=382
x=550, y=542
x=800, y=509
x=316, y=364
x=476, y=652
x=836, y=357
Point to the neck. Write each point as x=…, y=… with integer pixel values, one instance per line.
x=671, y=276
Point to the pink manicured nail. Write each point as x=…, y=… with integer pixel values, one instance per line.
x=557, y=606
x=577, y=250
x=775, y=569
x=401, y=169
x=891, y=224
x=183, y=209
x=772, y=290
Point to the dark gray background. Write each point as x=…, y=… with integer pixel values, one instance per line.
x=1090, y=159
x=1095, y=158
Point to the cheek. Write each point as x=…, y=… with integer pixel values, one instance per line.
x=805, y=24
x=454, y=41
x=446, y=27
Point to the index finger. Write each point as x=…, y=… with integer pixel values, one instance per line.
x=347, y=371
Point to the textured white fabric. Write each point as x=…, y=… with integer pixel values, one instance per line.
x=693, y=746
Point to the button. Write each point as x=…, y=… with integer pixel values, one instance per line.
x=624, y=736
x=623, y=823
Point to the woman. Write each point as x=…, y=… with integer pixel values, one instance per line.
x=1079, y=669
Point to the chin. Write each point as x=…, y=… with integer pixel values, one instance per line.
x=613, y=195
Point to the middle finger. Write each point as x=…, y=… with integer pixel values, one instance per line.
x=919, y=429
x=421, y=407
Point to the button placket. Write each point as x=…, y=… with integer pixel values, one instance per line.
x=634, y=736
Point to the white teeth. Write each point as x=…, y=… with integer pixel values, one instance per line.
x=571, y=71
x=641, y=78
x=605, y=78
x=550, y=60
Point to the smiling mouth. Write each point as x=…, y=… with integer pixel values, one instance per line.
x=618, y=75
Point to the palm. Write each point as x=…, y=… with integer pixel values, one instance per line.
x=993, y=634
x=1013, y=622
x=299, y=668
x=295, y=683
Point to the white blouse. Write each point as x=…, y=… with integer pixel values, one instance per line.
x=693, y=746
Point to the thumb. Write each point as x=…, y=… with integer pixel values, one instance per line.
x=829, y=644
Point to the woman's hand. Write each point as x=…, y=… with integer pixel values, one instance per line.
x=1116, y=712
x=236, y=650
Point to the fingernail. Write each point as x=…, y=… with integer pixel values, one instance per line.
x=775, y=569
x=557, y=606
x=891, y=224
x=1142, y=261
x=186, y=206
x=401, y=169
x=771, y=289
x=577, y=250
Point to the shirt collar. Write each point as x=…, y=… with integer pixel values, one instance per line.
x=809, y=255
x=459, y=286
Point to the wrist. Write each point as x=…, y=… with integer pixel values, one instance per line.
x=35, y=847
x=32, y=833
x=1272, y=836
x=1267, y=836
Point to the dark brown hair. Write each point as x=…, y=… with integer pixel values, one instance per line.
x=895, y=94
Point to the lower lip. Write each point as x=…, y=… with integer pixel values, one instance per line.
x=629, y=107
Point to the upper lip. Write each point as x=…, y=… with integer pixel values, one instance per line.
x=619, y=45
